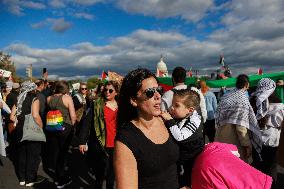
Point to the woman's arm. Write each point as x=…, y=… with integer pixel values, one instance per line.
x=13, y=114
x=48, y=99
x=125, y=167
x=35, y=113
x=71, y=109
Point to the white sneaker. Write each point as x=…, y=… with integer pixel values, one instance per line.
x=30, y=184
x=22, y=183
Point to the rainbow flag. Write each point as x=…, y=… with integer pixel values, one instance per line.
x=54, y=121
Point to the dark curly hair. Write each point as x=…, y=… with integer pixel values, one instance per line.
x=131, y=84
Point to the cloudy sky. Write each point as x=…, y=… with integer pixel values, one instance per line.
x=80, y=38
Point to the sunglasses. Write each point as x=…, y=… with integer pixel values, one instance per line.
x=150, y=92
x=83, y=88
x=108, y=90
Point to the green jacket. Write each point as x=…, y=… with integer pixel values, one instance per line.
x=99, y=122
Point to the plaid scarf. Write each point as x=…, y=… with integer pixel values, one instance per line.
x=265, y=88
x=235, y=108
x=26, y=87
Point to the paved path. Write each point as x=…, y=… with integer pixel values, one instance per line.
x=78, y=169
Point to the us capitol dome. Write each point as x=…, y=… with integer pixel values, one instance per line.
x=162, y=68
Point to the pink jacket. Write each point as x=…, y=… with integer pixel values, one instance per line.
x=217, y=168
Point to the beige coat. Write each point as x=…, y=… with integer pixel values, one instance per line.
x=237, y=135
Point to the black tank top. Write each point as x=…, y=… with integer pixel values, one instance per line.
x=156, y=163
x=56, y=102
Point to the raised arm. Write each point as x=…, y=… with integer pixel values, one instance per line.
x=125, y=167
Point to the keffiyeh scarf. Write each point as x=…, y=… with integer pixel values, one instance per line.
x=235, y=108
x=265, y=88
x=26, y=87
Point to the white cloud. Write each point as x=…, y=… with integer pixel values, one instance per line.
x=84, y=15
x=33, y=5
x=58, y=25
x=39, y=24
x=57, y=3
x=140, y=48
x=17, y=6
x=66, y=3
x=253, y=34
x=143, y=48
x=14, y=7
x=192, y=10
x=87, y=2
x=24, y=59
x=255, y=9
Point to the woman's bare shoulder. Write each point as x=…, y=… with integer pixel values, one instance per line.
x=67, y=98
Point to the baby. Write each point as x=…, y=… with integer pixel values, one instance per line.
x=184, y=123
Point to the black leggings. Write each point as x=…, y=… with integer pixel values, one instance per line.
x=100, y=159
x=57, y=149
x=28, y=159
x=109, y=169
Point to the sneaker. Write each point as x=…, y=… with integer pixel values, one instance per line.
x=22, y=183
x=30, y=184
x=38, y=180
x=64, y=182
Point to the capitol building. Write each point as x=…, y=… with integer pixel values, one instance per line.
x=162, y=70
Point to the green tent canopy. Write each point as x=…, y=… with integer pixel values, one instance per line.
x=167, y=84
x=230, y=82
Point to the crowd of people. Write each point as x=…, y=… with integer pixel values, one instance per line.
x=135, y=135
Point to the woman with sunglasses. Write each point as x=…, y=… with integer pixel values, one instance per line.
x=110, y=111
x=144, y=149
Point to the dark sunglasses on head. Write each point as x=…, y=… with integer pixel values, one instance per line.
x=109, y=90
x=150, y=92
x=83, y=88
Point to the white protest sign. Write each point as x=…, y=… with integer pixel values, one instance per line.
x=5, y=73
